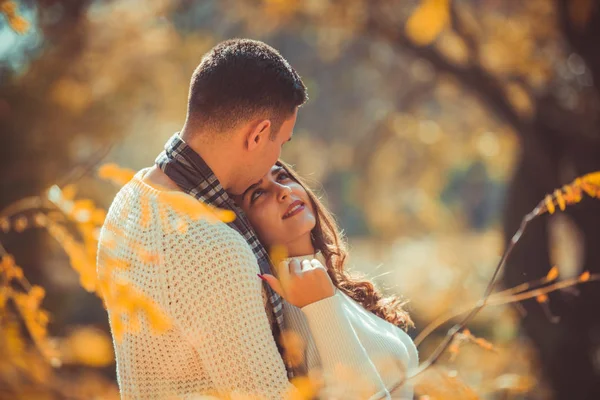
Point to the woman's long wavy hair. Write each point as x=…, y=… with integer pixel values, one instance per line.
x=327, y=238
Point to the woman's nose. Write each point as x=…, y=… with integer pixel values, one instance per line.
x=284, y=192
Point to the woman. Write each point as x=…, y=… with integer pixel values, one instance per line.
x=352, y=326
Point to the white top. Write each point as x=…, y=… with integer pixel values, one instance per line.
x=339, y=331
x=204, y=279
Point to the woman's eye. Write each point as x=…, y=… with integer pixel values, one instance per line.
x=282, y=176
x=256, y=194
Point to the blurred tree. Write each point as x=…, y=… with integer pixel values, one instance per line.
x=405, y=97
x=535, y=68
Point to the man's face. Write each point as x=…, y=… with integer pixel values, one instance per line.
x=262, y=160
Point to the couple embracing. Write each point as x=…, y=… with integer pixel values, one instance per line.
x=227, y=323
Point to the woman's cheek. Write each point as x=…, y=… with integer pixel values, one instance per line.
x=263, y=225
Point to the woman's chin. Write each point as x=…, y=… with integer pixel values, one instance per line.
x=298, y=244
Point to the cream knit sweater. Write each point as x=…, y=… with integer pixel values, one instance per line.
x=339, y=331
x=221, y=340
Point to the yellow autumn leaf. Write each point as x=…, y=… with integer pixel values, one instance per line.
x=69, y=192
x=157, y=319
x=144, y=213
x=307, y=388
x=88, y=281
x=116, y=174
x=560, y=200
x=87, y=346
x=592, y=178
x=37, y=293
x=278, y=254
x=149, y=257
x=590, y=184
x=428, y=21
x=189, y=206
x=83, y=205
x=117, y=328
x=550, y=204
x=225, y=216
x=571, y=196
x=293, y=346
x=98, y=216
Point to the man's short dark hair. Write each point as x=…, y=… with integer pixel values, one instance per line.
x=241, y=79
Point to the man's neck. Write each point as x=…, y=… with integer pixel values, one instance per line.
x=158, y=178
x=217, y=157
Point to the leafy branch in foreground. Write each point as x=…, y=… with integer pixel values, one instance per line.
x=15, y=21
x=567, y=195
x=75, y=224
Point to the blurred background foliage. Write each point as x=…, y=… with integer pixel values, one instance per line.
x=433, y=127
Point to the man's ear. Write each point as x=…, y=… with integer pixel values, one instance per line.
x=257, y=135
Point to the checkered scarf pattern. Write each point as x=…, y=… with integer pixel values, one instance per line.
x=189, y=171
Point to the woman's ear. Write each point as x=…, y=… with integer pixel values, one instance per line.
x=258, y=134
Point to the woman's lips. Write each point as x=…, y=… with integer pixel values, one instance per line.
x=295, y=208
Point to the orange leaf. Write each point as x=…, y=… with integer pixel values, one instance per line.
x=453, y=348
x=8, y=7
x=21, y=224
x=484, y=344
x=542, y=298
x=585, y=276
x=4, y=224
x=552, y=274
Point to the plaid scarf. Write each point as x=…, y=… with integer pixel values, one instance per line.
x=189, y=171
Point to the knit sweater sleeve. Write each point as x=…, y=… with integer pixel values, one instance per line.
x=215, y=300
x=339, y=346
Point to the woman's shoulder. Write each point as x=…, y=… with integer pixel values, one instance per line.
x=372, y=324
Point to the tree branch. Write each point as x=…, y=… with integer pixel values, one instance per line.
x=474, y=77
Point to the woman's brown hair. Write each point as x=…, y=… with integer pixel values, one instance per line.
x=327, y=238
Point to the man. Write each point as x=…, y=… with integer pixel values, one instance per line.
x=242, y=107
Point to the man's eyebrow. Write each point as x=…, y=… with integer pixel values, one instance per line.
x=276, y=170
x=250, y=188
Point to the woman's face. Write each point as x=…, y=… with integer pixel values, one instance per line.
x=279, y=209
